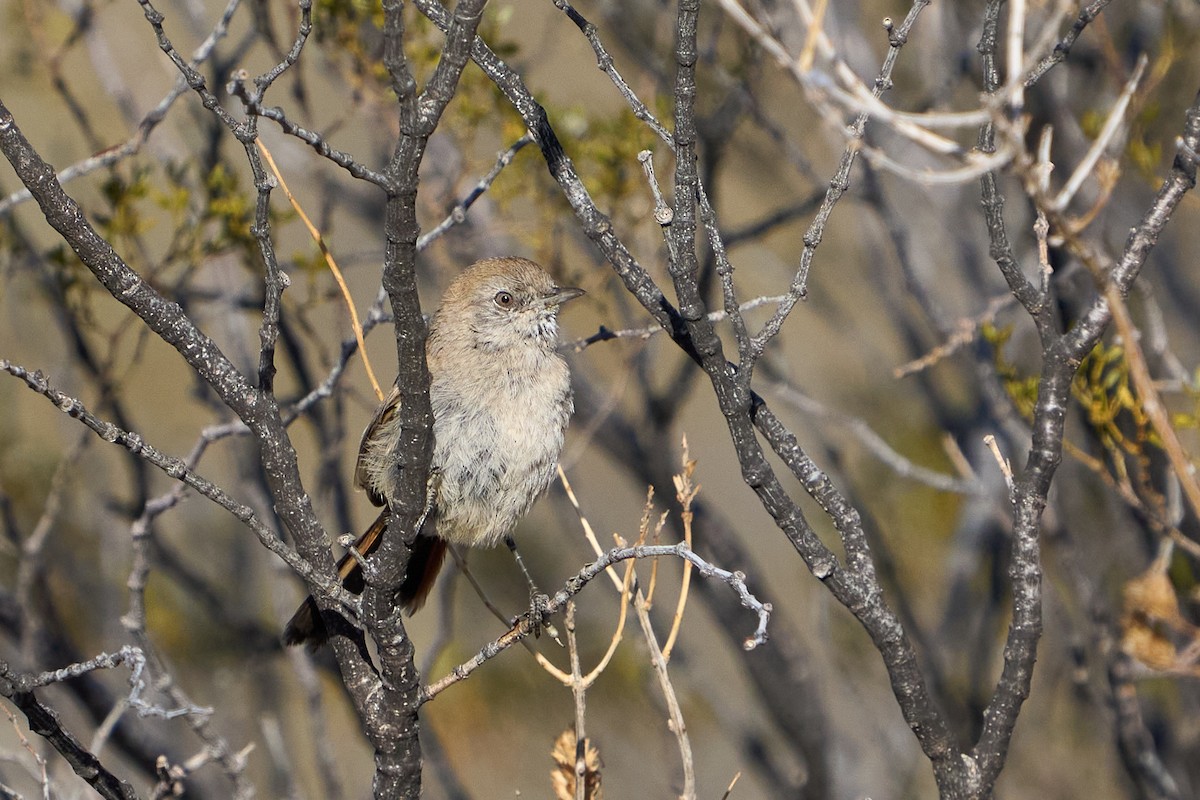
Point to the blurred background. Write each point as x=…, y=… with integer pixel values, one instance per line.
x=903, y=274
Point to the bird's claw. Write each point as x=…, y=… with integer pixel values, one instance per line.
x=538, y=615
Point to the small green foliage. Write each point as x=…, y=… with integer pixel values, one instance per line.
x=176, y=197
x=606, y=150
x=350, y=31
x=124, y=219
x=230, y=207
x=342, y=28
x=1102, y=387
x=1189, y=420
x=1145, y=155
x=1023, y=389
x=338, y=20
x=603, y=143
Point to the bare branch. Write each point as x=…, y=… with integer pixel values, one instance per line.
x=45, y=723
x=576, y=584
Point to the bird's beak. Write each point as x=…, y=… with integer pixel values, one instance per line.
x=560, y=295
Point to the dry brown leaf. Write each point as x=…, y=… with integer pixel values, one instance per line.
x=1153, y=630
x=562, y=777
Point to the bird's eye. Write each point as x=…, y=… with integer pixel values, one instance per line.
x=504, y=299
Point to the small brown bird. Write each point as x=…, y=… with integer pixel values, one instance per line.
x=501, y=399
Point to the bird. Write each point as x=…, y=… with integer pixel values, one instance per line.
x=501, y=398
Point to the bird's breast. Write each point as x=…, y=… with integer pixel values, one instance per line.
x=498, y=435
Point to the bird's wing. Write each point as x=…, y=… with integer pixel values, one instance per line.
x=362, y=477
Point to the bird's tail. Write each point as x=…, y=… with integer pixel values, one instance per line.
x=307, y=626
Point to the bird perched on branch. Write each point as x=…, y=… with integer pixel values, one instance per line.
x=501, y=398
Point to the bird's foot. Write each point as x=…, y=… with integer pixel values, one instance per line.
x=538, y=615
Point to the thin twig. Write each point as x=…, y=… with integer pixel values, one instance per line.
x=579, y=693
x=876, y=444
x=966, y=331
x=45, y=723
x=576, y=584
x=173, y=467
x=355, y=326
x=604, y=334
x=837, y=188
x=675, y=722
x=622, y=585
x=685, y=495
x=1059, y=54
x=458, y=214
x=1114, y=125
x=133, y=145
